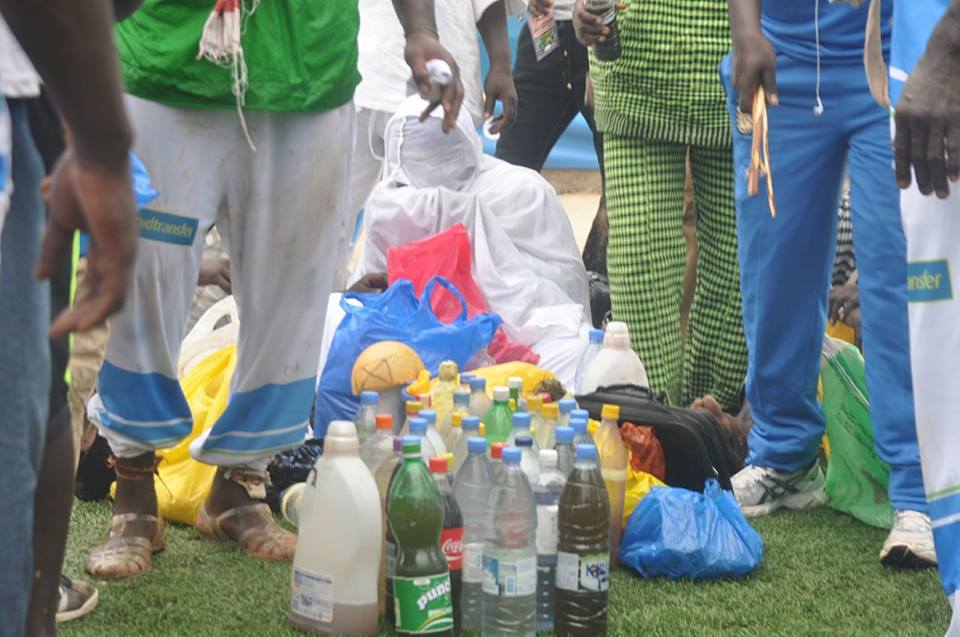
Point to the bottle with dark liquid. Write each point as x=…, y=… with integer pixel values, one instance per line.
x=610, y=49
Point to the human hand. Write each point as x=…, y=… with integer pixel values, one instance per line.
x=589, y=26
x=540, y=8
x=422, y=46
x=754, y=65
x=499, y=86
x=97, y=199
x=845, y=308
x=215, y=271
x=928, y=116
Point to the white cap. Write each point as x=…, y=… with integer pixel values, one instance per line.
x=341, y=439
x=548, y=458
x=515, y=381
x=501, y=394
x=617, y=335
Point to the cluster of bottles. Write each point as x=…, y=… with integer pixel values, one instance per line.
x=500, y=516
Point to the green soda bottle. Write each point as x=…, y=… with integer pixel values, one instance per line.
x=423, y=601
x=499, y=419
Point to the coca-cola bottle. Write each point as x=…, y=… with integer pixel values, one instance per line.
x=451, y=538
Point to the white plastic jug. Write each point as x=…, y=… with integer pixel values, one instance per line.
x=336, y=565
x=616, y=363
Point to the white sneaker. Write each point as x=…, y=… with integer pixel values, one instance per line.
x=954, y=629
x=761, y=491
x=910, y=543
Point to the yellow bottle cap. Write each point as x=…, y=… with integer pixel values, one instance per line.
x=550, y=411
x=414, y=407
x=610, y=412
x=534, y=404
x=482, y=430
x=448, y=370
x=456, y=420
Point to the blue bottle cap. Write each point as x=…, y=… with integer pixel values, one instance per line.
x=470, y=423
x=565, y=434
x=521, y=419
x=418, y=426
x=511, y=455
x=596, y=336
x=477, y=445
x=461, y=397
x=524, y=441
x=478, y=383
x=369, y=398
x=567, y=405
x=465, y=378
x=579, y=425
x=586, y=452
x=580, y=413
x=429, y=415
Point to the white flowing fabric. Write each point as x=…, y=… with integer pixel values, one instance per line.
x=525, y=257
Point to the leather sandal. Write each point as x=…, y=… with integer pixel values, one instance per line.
x=121, y=555
x=267, y=541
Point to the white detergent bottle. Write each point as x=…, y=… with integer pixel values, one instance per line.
x=336, y=565
x=616, y=363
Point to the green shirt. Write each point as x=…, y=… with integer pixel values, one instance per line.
x=301, y=55
x=665, y=86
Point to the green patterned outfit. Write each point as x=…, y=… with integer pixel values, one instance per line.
x=660, y=99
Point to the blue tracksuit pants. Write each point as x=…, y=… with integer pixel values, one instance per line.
x=785, y=266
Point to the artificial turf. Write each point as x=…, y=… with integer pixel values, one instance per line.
x=820, y=576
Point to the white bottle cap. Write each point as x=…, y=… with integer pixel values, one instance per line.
x=501, y=394
x=515, y=382
x=341, y=439
x=617, y=335
x=548, y=458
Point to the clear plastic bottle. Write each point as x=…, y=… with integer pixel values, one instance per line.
x=436, y=441
x=418, y=429
x=451, y=539
x=384, y=478
x=581, y=431
x=521, y=427
x=546, y=431
x=534, y=405
x=366, y=417
x=566, y=455
x=567, y=405
x=453, y=440
x=471, y=489
x=515, y=385
x=470, y=426
x=583, y=551
x=613, y=465
x=441, y=396
x=479, y=401
x=616, y=363
x=334, y=582
x=496, y=459
x=461, y=405
x=547, y=492
x=510, y=554
x=594, y=344
x=529, y=458
x=378, y=447
x=499, y=418
x=412, y=408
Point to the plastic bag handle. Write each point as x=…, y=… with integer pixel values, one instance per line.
x=428, y=293
x=352, y=296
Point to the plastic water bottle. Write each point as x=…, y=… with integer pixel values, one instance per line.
x=616, y=363
x=471, y=489
x=470, y=426
x=451, y=539
x=510, y=554
x=334, y=582
x=418, y=429
x=465, y=378
x=461, y=405
x=567, y=405
x=546, y=431
x=534, y=405
x=436, y=441
x=613, y=465
x=594, y=344
x=412, y=409
x=366, y=417
x=515, y=385
x=378, y=447
x=565, y=450
x=496, y=459
x=479, y=401
x=441, y=396
x=583, y=555
x=421, y=582
x=521, y=427
x=529, y=458
x=609, y=49
x=499, y=418
x=581, y=431
x=547, y=492
x=384, y=478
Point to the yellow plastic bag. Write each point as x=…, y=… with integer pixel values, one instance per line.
x=497, y=375
x=639, y=484
x=183, y=484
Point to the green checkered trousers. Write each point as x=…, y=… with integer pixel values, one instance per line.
x=646, y=261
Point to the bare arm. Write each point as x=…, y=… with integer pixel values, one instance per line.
x=928, y=113
x=499, y=82
x=420, y=28
x=754, y=60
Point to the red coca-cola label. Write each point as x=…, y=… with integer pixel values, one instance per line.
x=451, y=543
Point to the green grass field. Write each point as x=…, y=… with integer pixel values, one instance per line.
x=820, y=577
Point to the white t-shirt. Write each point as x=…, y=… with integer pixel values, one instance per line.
x=17, y=75
x=386, y=77
x=563, y=9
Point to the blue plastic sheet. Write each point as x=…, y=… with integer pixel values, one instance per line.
x=678, y=533
x=395, y=315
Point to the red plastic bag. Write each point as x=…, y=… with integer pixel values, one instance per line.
x=646, y=454
x=449, y=254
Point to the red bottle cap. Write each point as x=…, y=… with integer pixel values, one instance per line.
x=496, y=450
x=438, y=464
x=384, y=421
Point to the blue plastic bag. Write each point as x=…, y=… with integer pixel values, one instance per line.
x=142, y=186
x=685, y=534
x=395, y=315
